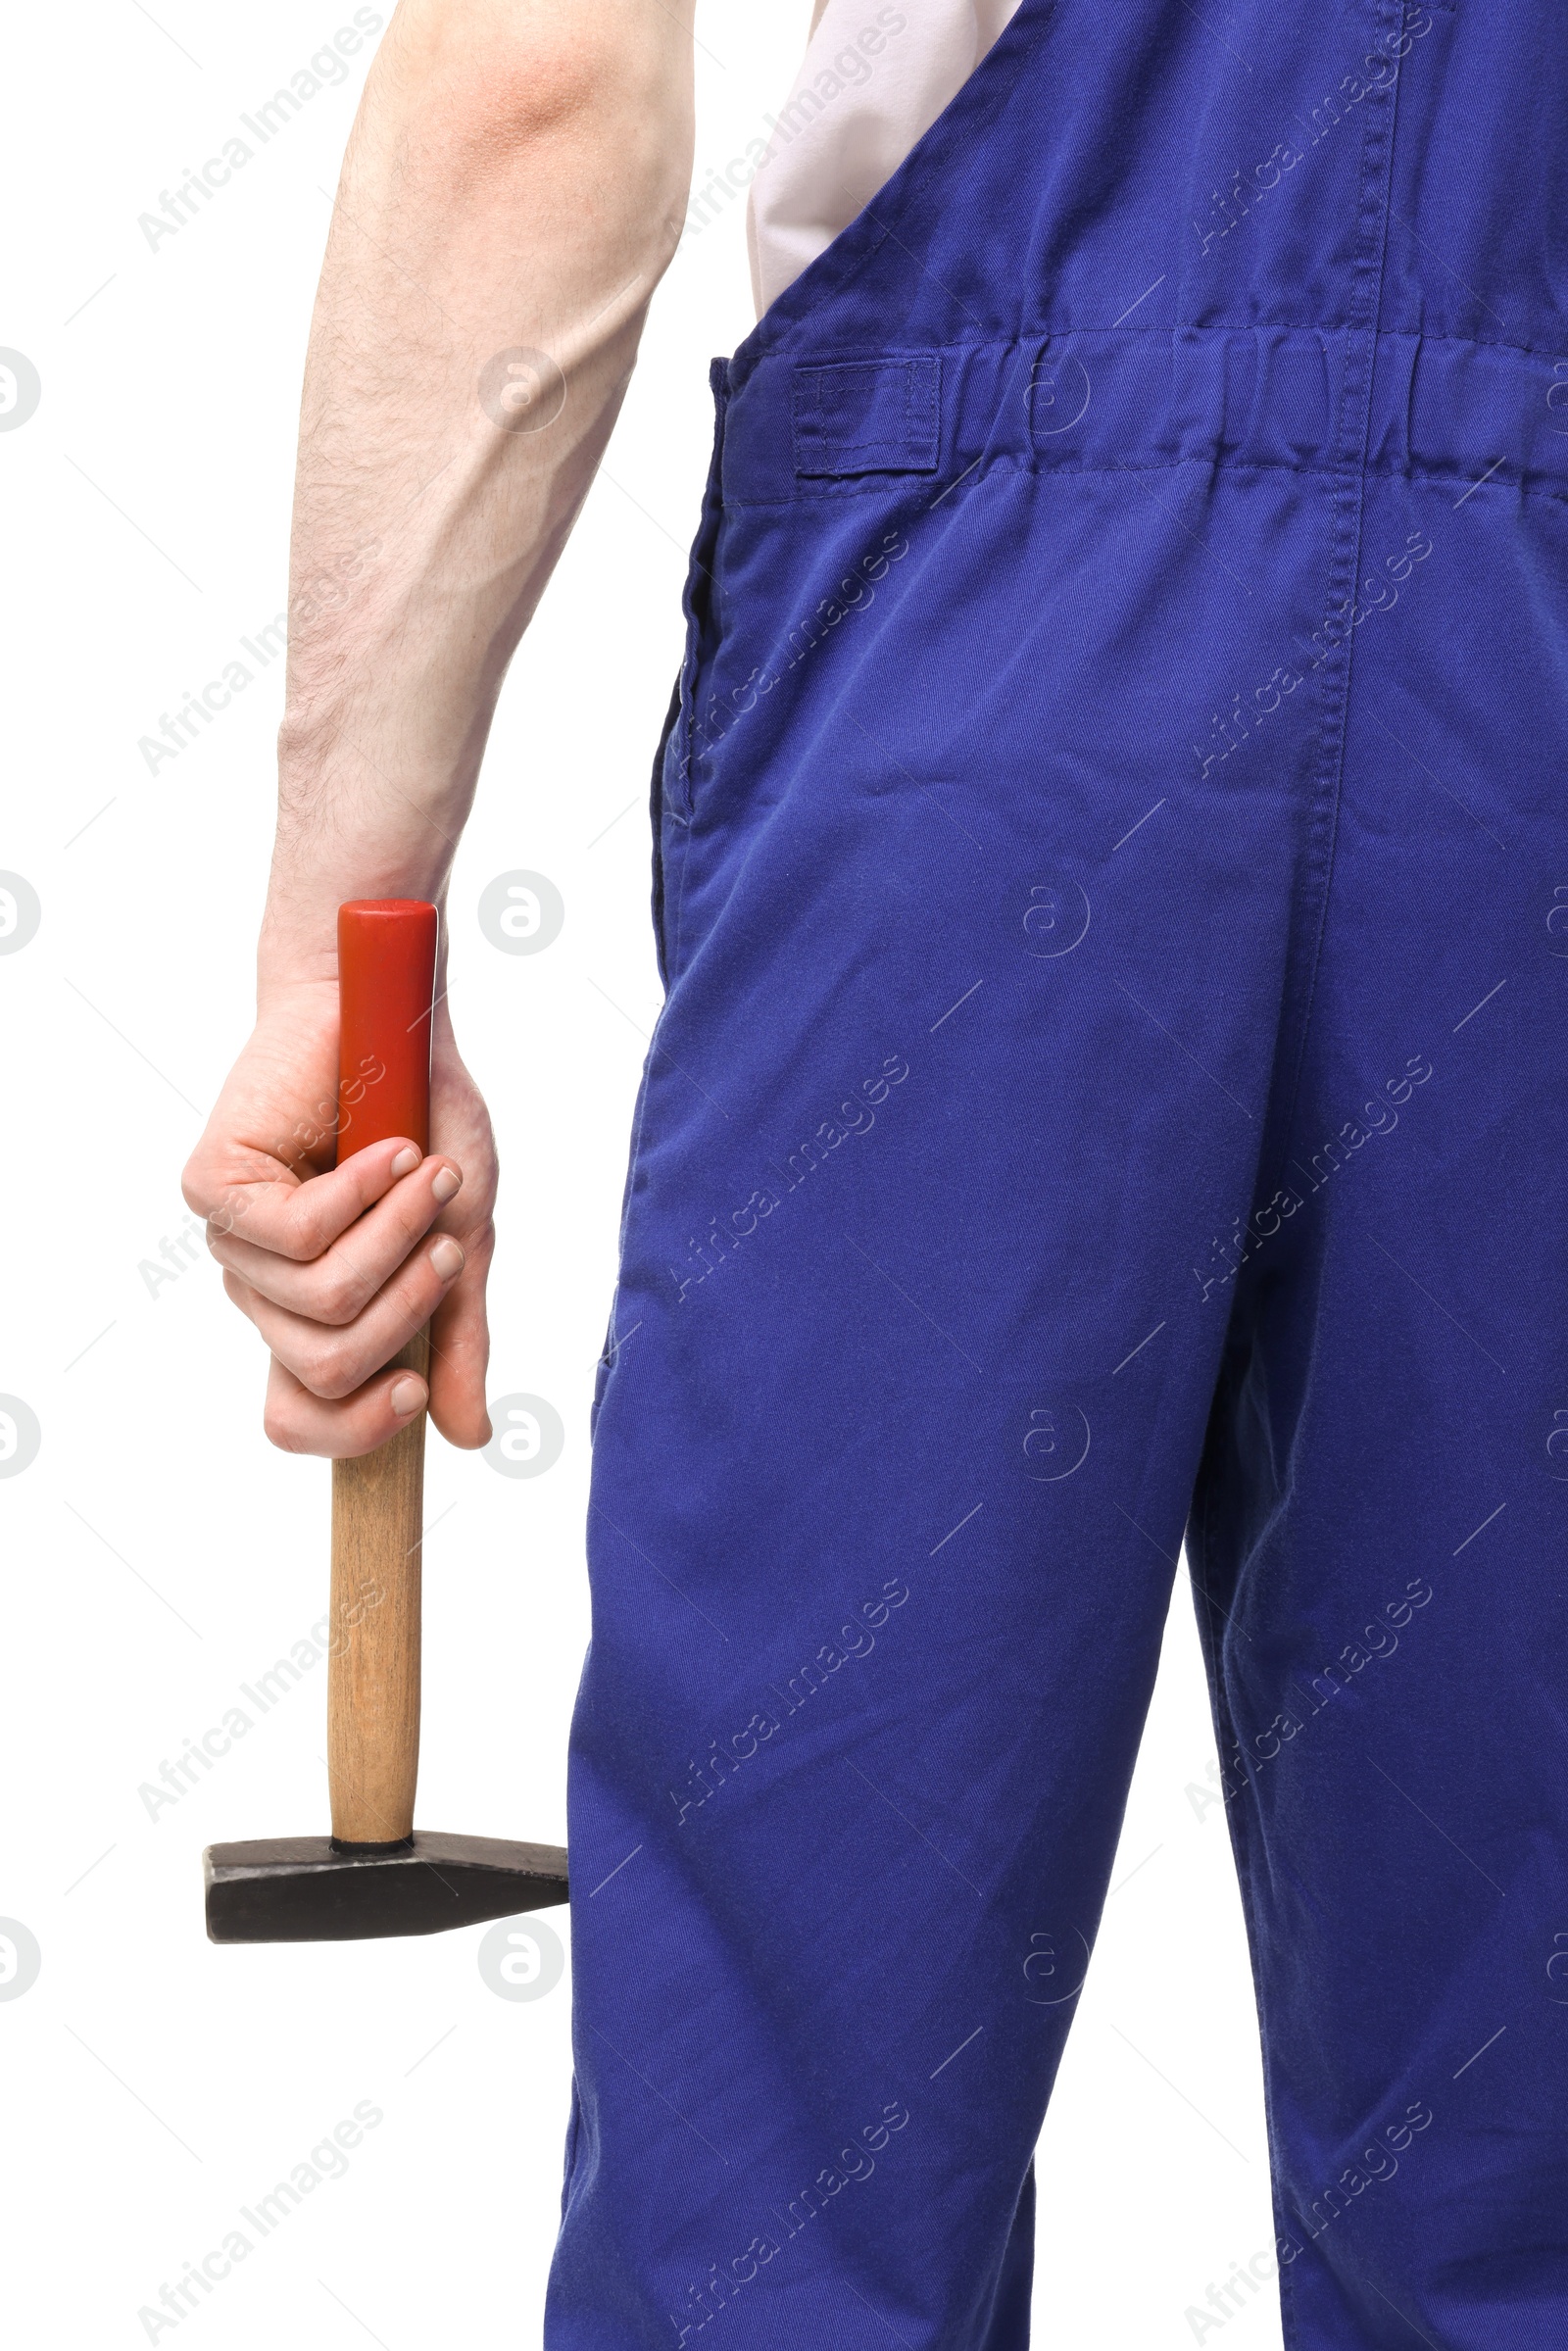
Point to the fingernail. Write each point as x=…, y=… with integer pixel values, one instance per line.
x=447, y=1258
x=446, y=1185
x=405, y=1162
x=406, y=1397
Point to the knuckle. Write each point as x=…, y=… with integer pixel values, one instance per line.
x=300, y=1238
x=340, y=1297
x=280, y=1429
x=228, y=1206
x=330, y=1374
x=336, y=1368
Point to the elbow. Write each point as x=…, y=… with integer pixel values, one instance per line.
x=493, y=96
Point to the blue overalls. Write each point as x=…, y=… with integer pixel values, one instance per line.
x=1113, y=887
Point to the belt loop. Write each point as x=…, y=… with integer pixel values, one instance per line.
x=875, y=416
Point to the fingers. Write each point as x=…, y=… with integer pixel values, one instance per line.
x=298, y=1422
x=300, y=1220
x=337, y=1286
x=332, y=1361
x=459, y=1352
x=339, y=1428
x=338, y=1268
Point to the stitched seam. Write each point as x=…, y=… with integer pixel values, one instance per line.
x=1008, y=462
x=820, y=453
x=675, y=915
x=1378, y=141
x=846, y=355
x=806, y=408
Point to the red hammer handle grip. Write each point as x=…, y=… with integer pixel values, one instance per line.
x=386, y=980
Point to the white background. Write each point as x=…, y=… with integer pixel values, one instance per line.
x=157, y=1555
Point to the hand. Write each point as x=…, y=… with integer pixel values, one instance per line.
x=339, y=1267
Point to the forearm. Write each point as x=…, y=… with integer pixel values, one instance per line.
x=509, y=184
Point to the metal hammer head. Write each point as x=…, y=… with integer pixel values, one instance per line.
x=309, y=1890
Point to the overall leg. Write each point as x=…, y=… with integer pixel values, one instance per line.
x=917, y=1329
x=1379, y=1540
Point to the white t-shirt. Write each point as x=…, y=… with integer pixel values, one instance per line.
x=875, y=80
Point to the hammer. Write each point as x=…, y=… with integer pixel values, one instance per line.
x=376, y=1874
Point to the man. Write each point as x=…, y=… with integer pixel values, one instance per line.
x=1111, y=882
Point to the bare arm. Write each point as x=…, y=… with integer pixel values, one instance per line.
x=508, y=203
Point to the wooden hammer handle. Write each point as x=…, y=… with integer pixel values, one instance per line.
x=372, y=1687
x=386, y=975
